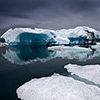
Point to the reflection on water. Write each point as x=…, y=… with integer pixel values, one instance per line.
x=14, y=75
x=27, y=54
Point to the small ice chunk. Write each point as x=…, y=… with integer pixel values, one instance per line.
x=88, y=72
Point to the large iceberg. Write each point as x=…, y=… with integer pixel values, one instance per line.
x=57, y=87
x=28, y=36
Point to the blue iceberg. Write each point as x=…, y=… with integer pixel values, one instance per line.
x=29, y=36
x=34, y=39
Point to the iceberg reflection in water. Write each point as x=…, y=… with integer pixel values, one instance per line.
x=27, y=54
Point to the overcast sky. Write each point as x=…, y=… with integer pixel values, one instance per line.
x=51, y=14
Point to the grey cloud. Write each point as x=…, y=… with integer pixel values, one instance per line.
x=16, y=6
x=19, y=7
x=54, y=14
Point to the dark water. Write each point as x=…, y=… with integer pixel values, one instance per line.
x=21, y=64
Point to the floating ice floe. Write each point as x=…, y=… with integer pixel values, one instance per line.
x=88, y=73
x=28, y=36
x=57, y=87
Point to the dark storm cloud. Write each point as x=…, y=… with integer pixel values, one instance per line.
x=19, y=7
x=82, y=5
x=50, y=13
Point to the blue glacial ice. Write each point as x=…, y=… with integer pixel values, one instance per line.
x=57, y=87
x=29, y=36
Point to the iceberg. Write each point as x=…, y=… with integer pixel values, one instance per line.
x=29, y=36
x=57, y=87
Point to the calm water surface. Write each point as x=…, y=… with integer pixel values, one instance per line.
x=21, y=64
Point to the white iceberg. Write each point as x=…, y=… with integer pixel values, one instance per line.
x=57, y=87
x=79, y=31
x=28, y=36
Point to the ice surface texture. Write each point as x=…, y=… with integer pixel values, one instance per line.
x=28, y=36
x=57, y=87
x=89, y=73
